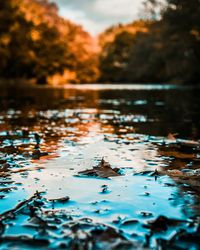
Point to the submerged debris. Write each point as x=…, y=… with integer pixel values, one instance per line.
x=181, y=238
x=180, y=149
x=25, y=240
x=20, y=206
x=37, y=154
x=183, y=162
x=62, y=199
x=81, y=233
x=37, y=138
x=162, y=223
x=103, y=170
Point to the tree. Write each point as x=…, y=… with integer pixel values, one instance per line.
x=115, y=57
x=117, y=43
x=167, y=51
x=146, y=62
x=181, y=36
x=35, y=42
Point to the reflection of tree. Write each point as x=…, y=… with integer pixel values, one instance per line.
x=54, y=113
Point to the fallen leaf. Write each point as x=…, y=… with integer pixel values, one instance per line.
x=171, y=136
x=161, y=223
x=62, y=199
x=103, y=170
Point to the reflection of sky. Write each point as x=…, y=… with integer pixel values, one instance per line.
x=96, y=15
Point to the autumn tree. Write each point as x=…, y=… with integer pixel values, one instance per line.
x=167, y=51
x=36, y=43
x=115, y=57
x=181, y=38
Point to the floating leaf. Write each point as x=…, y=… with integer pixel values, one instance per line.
x=103, y=170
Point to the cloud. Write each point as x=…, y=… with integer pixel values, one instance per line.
x=117, y=8
x=96, y=15
x=81, y=17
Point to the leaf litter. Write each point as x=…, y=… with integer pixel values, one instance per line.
x=50, y=223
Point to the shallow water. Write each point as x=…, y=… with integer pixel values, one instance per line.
x=77, y=126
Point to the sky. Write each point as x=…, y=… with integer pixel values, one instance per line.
x=97, y=15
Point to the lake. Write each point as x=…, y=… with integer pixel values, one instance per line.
x=49, y=135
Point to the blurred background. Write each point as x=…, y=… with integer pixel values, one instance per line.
x=112, y=41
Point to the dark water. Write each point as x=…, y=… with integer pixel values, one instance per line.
x=153, y=110
x=48, y=135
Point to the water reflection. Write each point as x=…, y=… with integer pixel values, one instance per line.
x=153, y=112
x=48, y=135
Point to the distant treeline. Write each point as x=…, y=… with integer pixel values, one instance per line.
x=37, y=44
x=165, y=48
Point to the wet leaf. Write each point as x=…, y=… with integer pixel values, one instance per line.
x=171, y=136
x=176, y=154
x=103, y=170
x=25, y=240
x=62, y=199
x=162, y=223
x=129, y=222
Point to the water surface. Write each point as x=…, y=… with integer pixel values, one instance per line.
x=77, y=126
